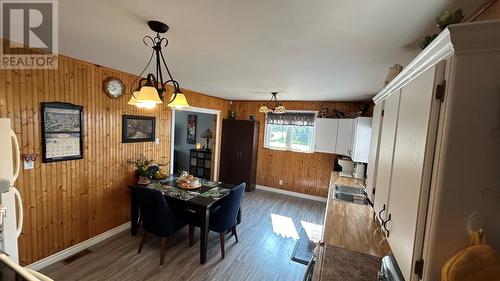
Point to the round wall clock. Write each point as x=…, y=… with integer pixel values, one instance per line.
x=114, y=87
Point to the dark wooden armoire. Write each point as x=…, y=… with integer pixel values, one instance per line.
x=238, y=160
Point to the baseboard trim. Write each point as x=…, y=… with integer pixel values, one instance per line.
x=78, y=247
x=291, y=193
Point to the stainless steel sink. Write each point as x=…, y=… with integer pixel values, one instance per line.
x=350, y=194
x=349, y=189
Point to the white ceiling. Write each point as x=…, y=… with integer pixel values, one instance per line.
x=233, y=49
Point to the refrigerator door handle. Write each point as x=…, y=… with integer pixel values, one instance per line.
x=20, y=215
x=18, y=157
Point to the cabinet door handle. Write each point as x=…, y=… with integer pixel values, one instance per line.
x=385, y=223
x=380, y=214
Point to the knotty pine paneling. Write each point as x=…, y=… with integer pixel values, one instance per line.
x=307, y=173
x=491, y=13
x=68, y=202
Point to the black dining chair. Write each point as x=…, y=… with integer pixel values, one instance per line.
x=223, y=218
x=158, y=218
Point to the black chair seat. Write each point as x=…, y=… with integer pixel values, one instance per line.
x=158, y=218
x=222, y=218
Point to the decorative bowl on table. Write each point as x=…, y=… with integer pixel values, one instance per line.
x=188, y=182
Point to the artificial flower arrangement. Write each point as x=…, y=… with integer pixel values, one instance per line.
x=145, y=169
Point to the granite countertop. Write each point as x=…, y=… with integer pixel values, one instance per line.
x=346, y=265
x=354, y=242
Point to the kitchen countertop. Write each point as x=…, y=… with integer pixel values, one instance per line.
x=354, y=242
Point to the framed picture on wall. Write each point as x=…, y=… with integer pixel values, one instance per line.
x=62, y=131
x=138, y=128
x=191, y=129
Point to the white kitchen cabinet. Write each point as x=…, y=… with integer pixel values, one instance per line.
x=362, y=131
x=371, y=171
x=409, y=184
x=345, y=137
x=446, y=123
x=326, y=135
x=386, y=153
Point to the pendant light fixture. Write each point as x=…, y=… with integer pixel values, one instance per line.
x=273, y=105
x=151, y=90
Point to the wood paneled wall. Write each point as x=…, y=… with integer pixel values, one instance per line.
x=307, y=173
x=491, y=13
x=68, y=202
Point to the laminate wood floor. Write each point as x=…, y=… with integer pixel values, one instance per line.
x=266, y=240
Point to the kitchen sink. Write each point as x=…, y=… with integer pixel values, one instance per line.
x=350, y=194
x=349, y=189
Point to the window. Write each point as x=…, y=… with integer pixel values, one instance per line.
x=290, y=131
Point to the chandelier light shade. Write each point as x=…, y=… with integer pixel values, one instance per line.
x=151, y=90
x=178, y=100
x=273, y=105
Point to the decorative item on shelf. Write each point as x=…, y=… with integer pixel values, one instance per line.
x=251, y=117
x=198, y=145
x=191, y=129
x=114, y=87
x=231, y=114
x=323, y=113
x=138, y=128
x=207, y=135
x=62, y=132
x=393, y=72
x=442, y=21
x=337, y=114
x=273, y=105
x=145, y=169
x=150, y=91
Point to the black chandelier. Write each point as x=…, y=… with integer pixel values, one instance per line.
x=151, y=90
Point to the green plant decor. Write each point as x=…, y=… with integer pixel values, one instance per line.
x=142, y=167
x=442, y=21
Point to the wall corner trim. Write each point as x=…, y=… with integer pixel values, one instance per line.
x=78, y=247
x=291, y=193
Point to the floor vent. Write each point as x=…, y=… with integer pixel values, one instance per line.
x=76, y=256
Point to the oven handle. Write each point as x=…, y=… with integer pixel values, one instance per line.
x=310, y=267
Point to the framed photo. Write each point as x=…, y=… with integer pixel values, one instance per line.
x=138, y=128
x=62, y=131
x=191, y=129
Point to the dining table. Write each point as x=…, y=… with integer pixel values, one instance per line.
x=198, y=202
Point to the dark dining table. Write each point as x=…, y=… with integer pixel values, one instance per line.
x=198, y=202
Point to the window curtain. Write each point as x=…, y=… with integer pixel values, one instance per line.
x=291, y=118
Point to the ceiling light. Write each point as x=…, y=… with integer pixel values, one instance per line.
x=273, y=105
x=178, y=100
x=150, y=91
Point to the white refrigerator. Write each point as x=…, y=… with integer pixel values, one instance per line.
x=11, y=208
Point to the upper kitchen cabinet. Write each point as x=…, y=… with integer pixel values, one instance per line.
x=347, y=137
x=373, y=154
x=383, y=166
x=344, y=137
x=440, y=119
x=326, y=135
x=361, y=139
x=410, y=181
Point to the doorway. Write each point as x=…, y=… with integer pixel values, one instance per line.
x=194, y=142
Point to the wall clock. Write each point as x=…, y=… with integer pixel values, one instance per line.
x=114, y=87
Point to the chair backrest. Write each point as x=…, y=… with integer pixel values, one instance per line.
x=228, y=211
x=157, y=217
